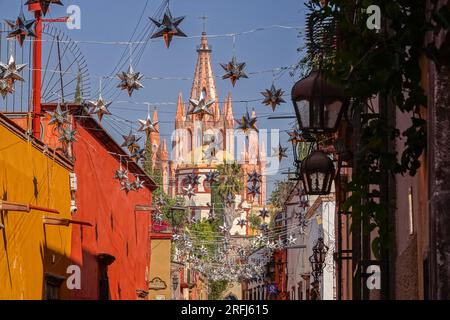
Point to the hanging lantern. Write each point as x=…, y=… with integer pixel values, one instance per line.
x=317, y=172
x=318, y=104
x=318, y=257
x=302, y=145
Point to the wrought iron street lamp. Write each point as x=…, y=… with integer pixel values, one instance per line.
x=317, y=259
x=302, y=145
x=318, y=105
x=317, y=173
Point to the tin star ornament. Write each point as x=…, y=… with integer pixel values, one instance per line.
x=254, y=190
x=6, y=87
x=242, y=223
x=254, y=177
x=168, y=28
x=247, y=123
x=127, y=186
x=11, y=71
x=280, y=152
x=137, y=155
x=189, y=191
x=201, y=107
x=234, y=71
x=45, y=4
x=58, y=117
x=21, y=28
x=138, y=183
x=130, y=80
x=193, y=179
x=68, y=135
x=291, y=240
x=229, y=199
x=224, y=229
x=130, y=142
x=273, y=97
x=121, y=174
x=148, y=126
x=100, y=107
x=212, y=177
x=264, y=213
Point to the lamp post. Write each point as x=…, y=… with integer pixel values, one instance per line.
x=317, y=173
x=318, y=105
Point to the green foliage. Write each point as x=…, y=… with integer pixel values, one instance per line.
x=280, y=194
x=254, y=221
x=231, y=179
x=385, y=63
x=217, y=289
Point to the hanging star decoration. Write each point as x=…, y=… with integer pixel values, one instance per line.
x=280, y=152
x=130, y=142
x=176, y=237
x=273, y=97
x=189, y=191
x=242, y=223
x=10, y=71
x=212, y=212
x=137, y=155
x=212, y=177
x=45, y=4
x=201, y=107
x=291, y=240
x=130, y=80
x=138, y=183
x=161, y=202
x=6, y=86
x=158, y=217
x=168, y=28
x=254, y=177
x=234, y=71
x=247, y=123
x=127, y=186
x=224, y=229
x=229, y=199
x=68, y=135
x=121, y=174
x=264, y=227
x=193, y=179
x=264, y=213
x=58, y=117
x=21, y=28
x=254, y=190
x=148, y=126
x=100, y=107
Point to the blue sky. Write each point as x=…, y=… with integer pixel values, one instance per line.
x=106, y=20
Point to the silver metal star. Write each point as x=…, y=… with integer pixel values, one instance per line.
x=100, y=107
x=161, y=202
x=21, y=28
x=45, y=4
x=193, y=179
x=247, y=123
x=130, y=142
x=130, y=80
x=148, y=126
x=234, y=71
x=264, y=213
x=291, y=240
x=137, y=155
x=11, y=71
x=280, y=152
x=58, y=117
x=121, y=174
x=224, y=229
x=68, y=135
x=158, y=217
x=212, y=177
x=273, y=97
x=264, y=227
x=230, y=199
x=254, y=190
x=138, y=183
x=189, y=191
x=6, y=86
x=127, y=186
x=168, y=28
x=254, y=177
x=201, y=107
x=242, y=223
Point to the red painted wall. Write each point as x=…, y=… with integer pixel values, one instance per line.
x=117, y=229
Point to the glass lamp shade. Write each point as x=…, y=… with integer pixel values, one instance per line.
x=317, y=173
x=318, y=105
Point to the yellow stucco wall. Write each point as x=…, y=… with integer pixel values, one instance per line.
x=28, y=249
x=160, y=267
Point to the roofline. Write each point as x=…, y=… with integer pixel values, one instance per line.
x=36, y=143
x=97, y=131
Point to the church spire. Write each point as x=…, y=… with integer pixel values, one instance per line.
x=204, y=76
x=181, y=110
